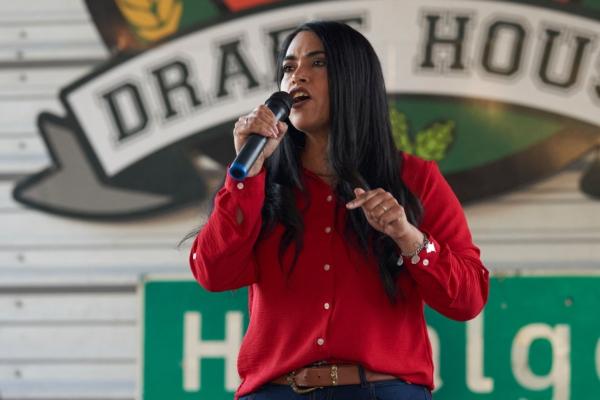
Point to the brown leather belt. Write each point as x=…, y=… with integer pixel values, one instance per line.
x=307, y=379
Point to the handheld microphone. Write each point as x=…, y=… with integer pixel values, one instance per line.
x=280, y=104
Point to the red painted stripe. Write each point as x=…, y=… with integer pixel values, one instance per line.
x=238, y=5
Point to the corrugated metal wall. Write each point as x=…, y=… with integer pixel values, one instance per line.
x=68, y=302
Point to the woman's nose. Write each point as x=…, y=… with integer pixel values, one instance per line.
x=300, y=75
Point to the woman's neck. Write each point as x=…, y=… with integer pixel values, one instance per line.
x=314, y=157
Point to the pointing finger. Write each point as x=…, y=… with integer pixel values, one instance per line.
x=361, y=197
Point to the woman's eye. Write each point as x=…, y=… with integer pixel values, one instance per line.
x=287, y=68
x=320, y=63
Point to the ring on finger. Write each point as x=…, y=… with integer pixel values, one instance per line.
x=245, y=121
x=384, y=207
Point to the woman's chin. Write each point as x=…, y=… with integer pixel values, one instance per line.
x=299, y=124
x=307, y=126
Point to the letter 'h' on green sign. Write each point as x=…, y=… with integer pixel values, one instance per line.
x=195, y=349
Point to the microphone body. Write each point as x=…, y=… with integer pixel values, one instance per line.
x=280, y=103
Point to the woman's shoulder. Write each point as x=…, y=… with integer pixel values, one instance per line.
x=416, y=172
x=412, y=161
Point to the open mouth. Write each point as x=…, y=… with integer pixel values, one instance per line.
x=300, y=97
x=300, y=100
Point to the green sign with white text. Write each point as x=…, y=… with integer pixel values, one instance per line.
x=190, y=340
x=538, y=338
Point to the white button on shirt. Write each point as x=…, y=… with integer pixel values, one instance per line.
x=328, y=229
x=326, y=306
x=240, y=185
x=329, y=198
x=320, y=341
x=326, y=267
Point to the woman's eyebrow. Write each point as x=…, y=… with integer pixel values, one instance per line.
x=309, y=54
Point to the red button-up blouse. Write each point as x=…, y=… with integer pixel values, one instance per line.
x=334, y=307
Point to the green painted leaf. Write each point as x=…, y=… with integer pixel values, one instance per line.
x=433, y=142
x=430, y=144
x=400, y=131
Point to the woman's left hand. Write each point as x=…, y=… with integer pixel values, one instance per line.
x=385, y=214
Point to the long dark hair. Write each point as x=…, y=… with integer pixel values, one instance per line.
x=361, y=150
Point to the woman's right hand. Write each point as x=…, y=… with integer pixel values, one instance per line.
x=261, y=121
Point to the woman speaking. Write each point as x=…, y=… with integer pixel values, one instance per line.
x=341, y=238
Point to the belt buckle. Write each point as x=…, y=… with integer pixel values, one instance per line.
x=292, y=382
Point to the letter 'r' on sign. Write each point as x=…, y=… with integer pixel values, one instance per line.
x=194, y=349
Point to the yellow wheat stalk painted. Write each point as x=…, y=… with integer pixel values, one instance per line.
x=152, y=19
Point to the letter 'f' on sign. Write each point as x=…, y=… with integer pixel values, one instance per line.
x=194, y=349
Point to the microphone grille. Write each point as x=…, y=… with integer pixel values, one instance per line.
x=282, y=97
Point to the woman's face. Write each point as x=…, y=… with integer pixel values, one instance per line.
x=305, y=78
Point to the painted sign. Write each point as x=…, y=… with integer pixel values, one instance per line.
x=498, y=93
x=538, y=338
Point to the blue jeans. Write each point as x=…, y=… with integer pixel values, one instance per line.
x=384, y=390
